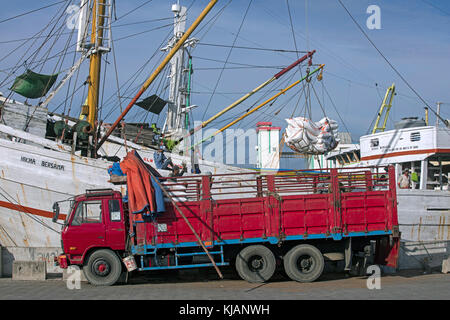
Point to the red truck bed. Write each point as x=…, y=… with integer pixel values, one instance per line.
x=237, y=208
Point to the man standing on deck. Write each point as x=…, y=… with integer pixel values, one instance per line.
x=404, y=181
x=161, y=161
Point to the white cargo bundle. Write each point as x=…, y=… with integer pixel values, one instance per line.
x=306, y=136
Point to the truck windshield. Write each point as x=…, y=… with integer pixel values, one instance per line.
x=87, y=212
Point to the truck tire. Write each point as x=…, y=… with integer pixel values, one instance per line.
x=304, y=263
x=103, y=268
x=255, y=263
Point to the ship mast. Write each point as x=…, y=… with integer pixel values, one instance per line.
x=152, y=77
x=175, y=125
x=100, y=38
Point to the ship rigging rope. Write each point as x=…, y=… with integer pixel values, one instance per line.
x=370, y=128
x=62, y=52
x=133, y=10
x=226, y=60
x=139, y=71
x=324, y=49
x=214, y=17
x=38, y=35
x=60, y=60
x=70, y=82
x=69, y=32
x=144, y=113
x=21, y=60
x=135, y=75
x=162, y=78
x=259, y=114
x=38, y=50
x=132, y=80
x=334, y=106
x=299, y=68
x=270, y=90
x=38, y=62
x=116, y=40
x=19, y=64
x=250, y=48
x=33, y=56
x=24, y=210
x=436, y=7
x=139, y=22
x=35, y=10
x=391, y=65
x=67, y=98
x=10, y=238
x=321, y=107
x=105, y=69
x=236, y=63
x=116, y=73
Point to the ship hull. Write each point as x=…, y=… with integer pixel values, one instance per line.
x=424, y=221
x=32, y=178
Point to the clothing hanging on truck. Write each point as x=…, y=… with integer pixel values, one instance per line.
x=144, y=195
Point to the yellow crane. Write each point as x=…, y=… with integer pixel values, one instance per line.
x=385, y=108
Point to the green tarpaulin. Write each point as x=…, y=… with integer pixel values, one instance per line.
x=33, y=85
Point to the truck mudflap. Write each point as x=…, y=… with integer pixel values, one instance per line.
x=394, y=249
x=387, y=251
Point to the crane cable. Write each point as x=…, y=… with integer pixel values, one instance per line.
x=392, y=67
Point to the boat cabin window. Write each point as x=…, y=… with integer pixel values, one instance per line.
x=374, y=142
x=88, y=212
x=415, y=136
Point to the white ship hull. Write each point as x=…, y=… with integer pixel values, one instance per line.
x=423, y=212
x=32, y=178
x=424, y=221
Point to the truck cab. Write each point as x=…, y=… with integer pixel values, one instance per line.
x=97, y=221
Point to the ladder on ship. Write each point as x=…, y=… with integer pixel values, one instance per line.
x=103, y=29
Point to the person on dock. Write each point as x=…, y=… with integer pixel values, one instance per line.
x=161, y=161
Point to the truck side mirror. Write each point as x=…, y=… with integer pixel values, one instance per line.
x=55, y=212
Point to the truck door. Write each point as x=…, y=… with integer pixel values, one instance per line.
x=86, y=228
x=115, y=225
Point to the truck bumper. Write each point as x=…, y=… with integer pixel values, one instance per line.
x=62, y=261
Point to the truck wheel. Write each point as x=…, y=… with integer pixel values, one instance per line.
x=103, y=268
x=255, y=263
x=304, y=263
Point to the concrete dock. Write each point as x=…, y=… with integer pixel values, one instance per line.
x=192, y=285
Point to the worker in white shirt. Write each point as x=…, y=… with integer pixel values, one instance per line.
x=404, y=182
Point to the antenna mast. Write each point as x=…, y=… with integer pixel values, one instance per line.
x=175, y=125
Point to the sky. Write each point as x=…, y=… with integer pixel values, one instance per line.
x=414, y=37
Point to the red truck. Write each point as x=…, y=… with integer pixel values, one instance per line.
x=293, y=220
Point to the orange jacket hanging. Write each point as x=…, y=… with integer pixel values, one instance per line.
x=141, y=196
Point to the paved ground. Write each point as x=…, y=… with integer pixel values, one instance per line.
x=193, y=286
